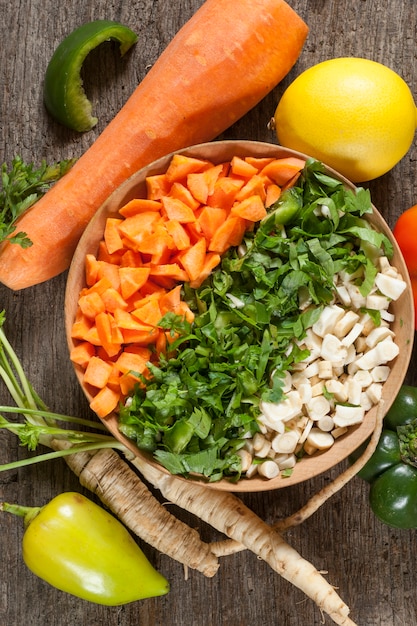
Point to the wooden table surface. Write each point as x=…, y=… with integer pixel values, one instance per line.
x=372, y=565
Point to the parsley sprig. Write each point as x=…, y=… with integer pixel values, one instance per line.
x=22, y=185
x=204, y=398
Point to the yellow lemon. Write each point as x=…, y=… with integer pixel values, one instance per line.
x=356, y=115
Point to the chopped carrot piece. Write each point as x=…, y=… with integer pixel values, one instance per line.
x=157, y=186
x=91, y=269
x=181, y=192
x=181, y=165
x=139, y=205
x=224, y=192
x=100, y=286
x=291, y=182
x=91, y=304
x=109, y=272
x=202, y=184
x=140, y=337
x=176, y=209
x=97, y=372
x=81, y=326
x=133, y=364
x=105, y=402
x=149, y=312
x=230, y=233
x=126, y=321
x=252, y=209
x=113, y=300
x=138, y=226
x=82, y=353
x=131, y=258
x=282, y=170
x=170, y=300
x=103, y=254
x=258, y=162
x=112, y=236
x=240, y=167
x=170, y=270
x=132, y=279
x=211, y=261
x=273, y=192
x=179, y=235
x=255, y=186
x=194, y=232
x=193, y=259
x=109, y=339
x=210, y=219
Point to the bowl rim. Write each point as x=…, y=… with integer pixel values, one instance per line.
x=320, y=462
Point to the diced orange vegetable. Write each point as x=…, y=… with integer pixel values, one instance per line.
x=179, y=235
x=112, y=236
x=283, y=170
x=230, y=233
x=273, y=192
x=109, y=338
x=132, y=363
x=210, y=219
x=181, y=192
x=105, y=402
x=149, y=312
x=170, y=270
x=97, y=372
x=82, y=353
x=182, y=165
x=139, y=205
x=176, y=209
x=211, y=261
x=254, y=186
x=252, y=209
x=202, y=184
x=224, y=192
x=132, y=279
x=157, y=186
x=240, y=167
x=113, y=300
x=193, y=259
x=140, y=225
x=91, y=304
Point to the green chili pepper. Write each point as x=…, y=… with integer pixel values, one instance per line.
x=63, y=92
x=392, y=469
x=78, y=547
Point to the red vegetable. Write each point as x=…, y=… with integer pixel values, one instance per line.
x=405, y=234
x=227, y=58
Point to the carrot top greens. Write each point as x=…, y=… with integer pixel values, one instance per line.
x=203, y=398
x=22, y=186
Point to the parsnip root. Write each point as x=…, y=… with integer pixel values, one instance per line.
x=227, y=513
x=117, y=485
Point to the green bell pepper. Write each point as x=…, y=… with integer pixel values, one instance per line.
x=63, y=92
x=78, y=547
x=392, y=469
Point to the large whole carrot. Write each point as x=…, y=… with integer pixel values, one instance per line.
x=227, y=58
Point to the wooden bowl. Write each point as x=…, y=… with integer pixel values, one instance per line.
x=403, y=326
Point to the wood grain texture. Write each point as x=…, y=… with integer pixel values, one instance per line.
x=373, y=566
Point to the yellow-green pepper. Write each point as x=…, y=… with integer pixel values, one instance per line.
x=63, y=92
x=78, y=547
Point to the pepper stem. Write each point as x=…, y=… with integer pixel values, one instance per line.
x=27, y=512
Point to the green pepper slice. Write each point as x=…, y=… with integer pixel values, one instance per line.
x=78, y=547
x=63, y=93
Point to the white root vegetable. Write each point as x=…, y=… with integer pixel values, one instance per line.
x=120, y=489
x=227, y=513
